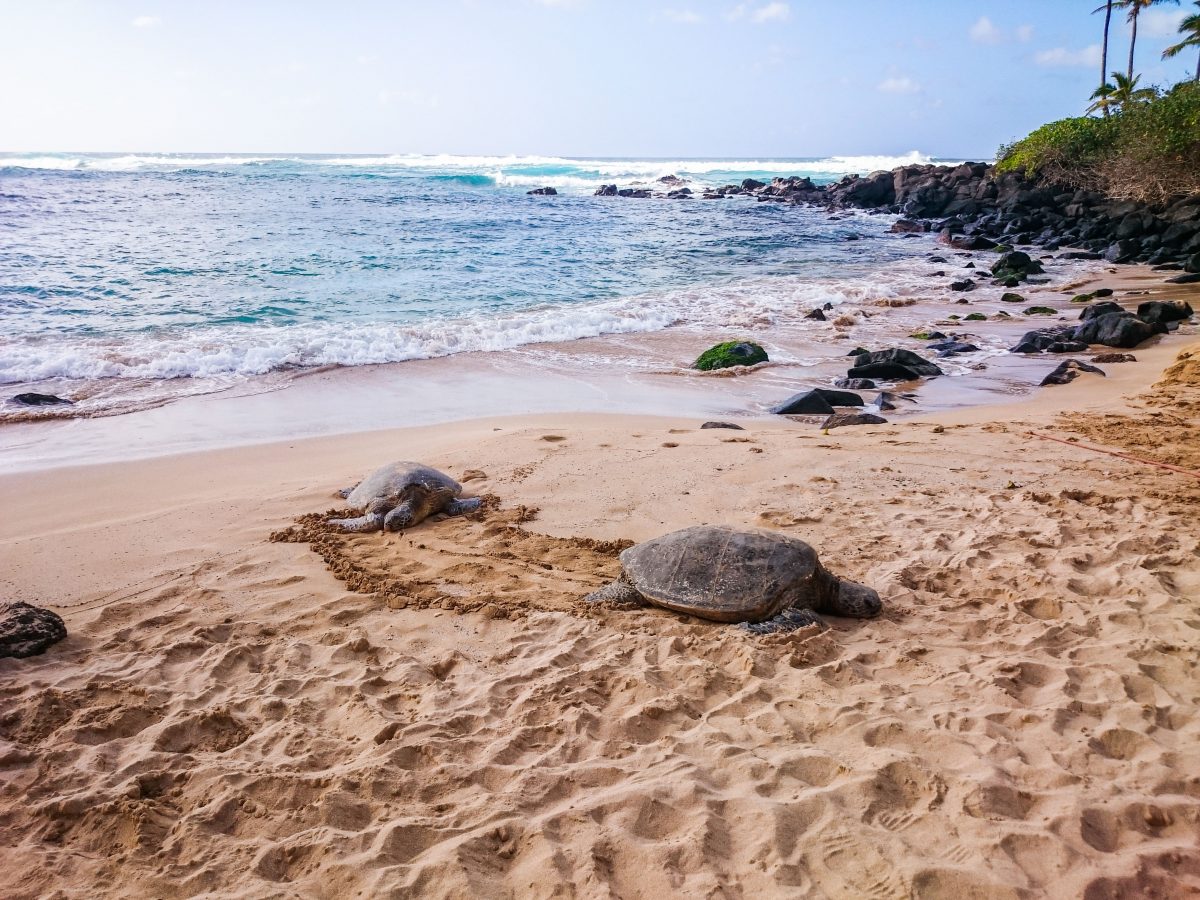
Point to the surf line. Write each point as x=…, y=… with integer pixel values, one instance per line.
x=1136, y=459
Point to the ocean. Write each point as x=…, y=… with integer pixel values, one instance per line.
x=131, y=280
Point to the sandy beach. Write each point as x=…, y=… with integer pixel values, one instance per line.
x=437, y=714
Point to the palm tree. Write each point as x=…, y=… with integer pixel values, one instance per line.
x=1108, y=8
x=1190, y=27
x=1135, y=7
x=1120, y=93
x=1103, y=97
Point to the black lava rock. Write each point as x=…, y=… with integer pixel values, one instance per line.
x=807, y=404
x=895, y=364
x=1068, y=371
x=1164, y=311
x=1117, y=330
x=841, y=420
x=27, y=630
x=40, y=400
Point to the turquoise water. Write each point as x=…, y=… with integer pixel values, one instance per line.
x=153, y=274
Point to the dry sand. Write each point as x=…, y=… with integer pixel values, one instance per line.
x=435, y=715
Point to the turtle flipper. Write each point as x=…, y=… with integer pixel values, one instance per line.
x=458, y=507
x=369, y=522
x=788, y=620
x=619, y=594
x=854, y=600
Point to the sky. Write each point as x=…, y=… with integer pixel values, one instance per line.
x=681, y=78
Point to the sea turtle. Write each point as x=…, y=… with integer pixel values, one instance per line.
x=401, y=494
x=764, y=580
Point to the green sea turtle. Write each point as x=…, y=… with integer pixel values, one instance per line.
x=764, y=580
x=401, y=494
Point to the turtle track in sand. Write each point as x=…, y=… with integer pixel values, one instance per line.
x=489, y=563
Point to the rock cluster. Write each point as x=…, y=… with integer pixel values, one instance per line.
x=972, y=207
x=1109, y=324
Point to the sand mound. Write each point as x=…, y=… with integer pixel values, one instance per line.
x=1168, y=427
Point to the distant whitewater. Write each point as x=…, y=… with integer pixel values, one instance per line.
x=130, y=278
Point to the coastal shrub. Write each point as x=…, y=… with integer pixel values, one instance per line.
x=730, y=353
x=1059, y=151
x=1148, y=152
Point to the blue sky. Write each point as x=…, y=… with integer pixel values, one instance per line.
x=557, y=77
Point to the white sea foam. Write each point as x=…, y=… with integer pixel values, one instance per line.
x=257, y=350
x=588, y=170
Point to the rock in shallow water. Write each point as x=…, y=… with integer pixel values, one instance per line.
x=27, y=630
x=41, y=400
x=731, y=353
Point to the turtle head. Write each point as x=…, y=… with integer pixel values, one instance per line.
x=856, y=600
x=399, y=518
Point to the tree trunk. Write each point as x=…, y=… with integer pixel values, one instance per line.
x=1104, y=50
x=1133, y=17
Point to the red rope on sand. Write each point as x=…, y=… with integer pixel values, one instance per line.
x=1136, y=459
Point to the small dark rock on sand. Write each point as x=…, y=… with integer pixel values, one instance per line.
x=27, y=630
x=723, y=425
x=1114, y=358
x=1068, y=370
x=841, y=420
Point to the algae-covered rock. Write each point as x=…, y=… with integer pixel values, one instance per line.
x=1039, y=311
x=976, y=317
x=1011, y=297
x=729, y=354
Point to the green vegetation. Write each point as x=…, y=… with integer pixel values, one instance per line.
x=1147, y=150
x=731, y=353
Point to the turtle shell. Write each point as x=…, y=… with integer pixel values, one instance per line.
x=727, y=574
x=396, y=481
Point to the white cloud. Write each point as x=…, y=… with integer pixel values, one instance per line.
x=1025, y=33
x=1061, y=56
x=682, y=16
x=899, y=85
x=984, y=32
x=146, y=22
x=772, y=12
x=1161, y=22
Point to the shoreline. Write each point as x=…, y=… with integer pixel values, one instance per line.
x=638, y=374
